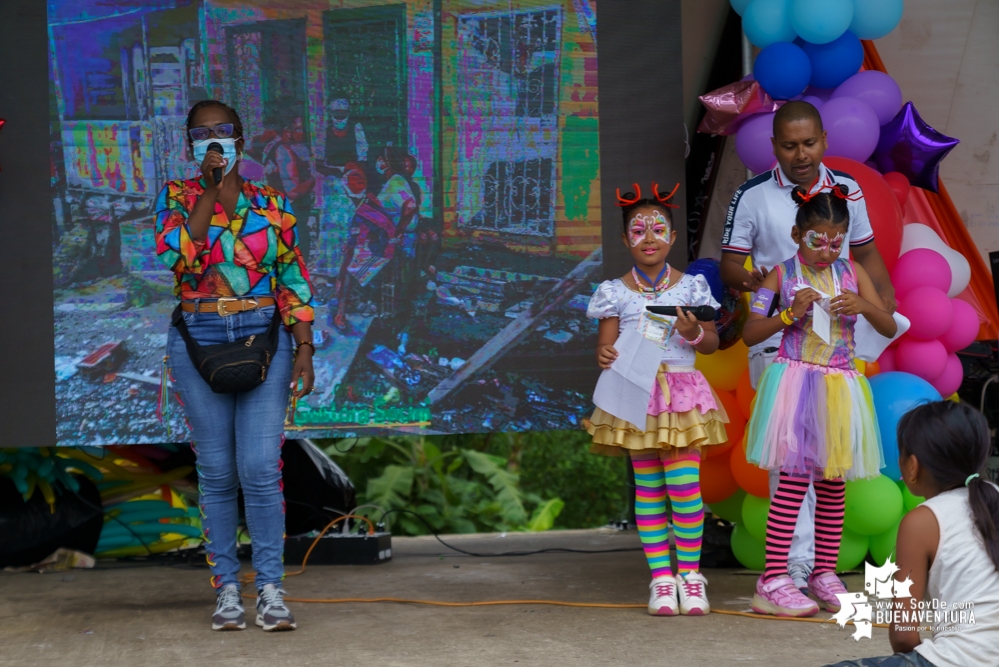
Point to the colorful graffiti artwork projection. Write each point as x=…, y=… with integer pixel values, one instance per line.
x=440, y=158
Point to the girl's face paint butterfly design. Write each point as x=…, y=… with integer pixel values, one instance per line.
x=641, y=224
x=819, y=242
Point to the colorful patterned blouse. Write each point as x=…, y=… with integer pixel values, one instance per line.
x=800, y=343
x=254, y=254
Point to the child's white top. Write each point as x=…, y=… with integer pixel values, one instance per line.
x=615, y=299
x=962, y=572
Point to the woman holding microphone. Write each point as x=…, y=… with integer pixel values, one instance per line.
x=239, y=343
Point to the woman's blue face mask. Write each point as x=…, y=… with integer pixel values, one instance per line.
x=228, y=151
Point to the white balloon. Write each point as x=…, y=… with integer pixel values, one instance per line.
x=916, y=235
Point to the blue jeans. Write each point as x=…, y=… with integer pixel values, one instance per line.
x=237, y=440
x=898, y=660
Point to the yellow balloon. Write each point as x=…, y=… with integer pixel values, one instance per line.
x=723, y=369
x=954, y=397
x=861, y=366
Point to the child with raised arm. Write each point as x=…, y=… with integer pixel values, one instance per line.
x=682, y=413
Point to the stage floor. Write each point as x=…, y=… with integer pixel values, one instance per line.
x=155, y=616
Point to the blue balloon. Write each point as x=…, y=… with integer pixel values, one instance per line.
x=873, y=19
x=783, y=70
x=821, y=21
x=835, y=62
x=895, y=394
x=768, y=21
x=739, y=6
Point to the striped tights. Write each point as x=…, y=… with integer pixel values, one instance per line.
x=830, y=496
x=678, y=476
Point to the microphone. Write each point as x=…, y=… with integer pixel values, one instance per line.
x=217, y=171
x=702, y=313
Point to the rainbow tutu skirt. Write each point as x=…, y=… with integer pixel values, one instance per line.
x=815, y=421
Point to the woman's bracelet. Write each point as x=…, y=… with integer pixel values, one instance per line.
x=304, y=342
x=700, y=336
x=787, y=316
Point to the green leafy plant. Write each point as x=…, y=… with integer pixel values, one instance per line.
x=458, y=490
x=487, y=481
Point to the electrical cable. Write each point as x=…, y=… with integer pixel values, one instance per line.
x=249, y=577
x=503, y=554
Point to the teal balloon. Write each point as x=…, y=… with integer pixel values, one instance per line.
x=896, y=393
x=729, y=509
x=754, y=516
x=821, y=21
x=872, y=505
x=740, y=6
x=768, y=21
x=873, y=19
x=852, y=550
x=883, y=545
x=748, y=550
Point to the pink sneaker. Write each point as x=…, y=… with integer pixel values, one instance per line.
x=780, y=597
x=824, y=587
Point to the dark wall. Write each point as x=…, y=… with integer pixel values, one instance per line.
x=27, y=372
x=641, y=114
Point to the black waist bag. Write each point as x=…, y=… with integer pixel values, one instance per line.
x=234, y=367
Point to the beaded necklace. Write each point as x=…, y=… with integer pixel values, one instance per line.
x=657, y=286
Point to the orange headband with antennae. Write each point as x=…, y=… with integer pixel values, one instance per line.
x=622, y=202
x=665, y=200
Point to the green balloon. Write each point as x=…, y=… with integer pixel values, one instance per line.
x=748, y=550
x=754, y=517
x=729, y=509
x=909, y=501
x=872, y=505
x=883, y=545
x=852, y=550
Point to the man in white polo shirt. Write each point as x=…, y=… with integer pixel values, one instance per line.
x=759, y=223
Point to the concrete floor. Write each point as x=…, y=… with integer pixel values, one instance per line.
x=156, y=615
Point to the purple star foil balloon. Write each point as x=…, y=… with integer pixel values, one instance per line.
x=911, y=147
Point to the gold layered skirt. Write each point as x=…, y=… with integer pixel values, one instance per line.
x=684, y=413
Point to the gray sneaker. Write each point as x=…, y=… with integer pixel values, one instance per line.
x=800, y=572
x=272, y=614
x=229, y=613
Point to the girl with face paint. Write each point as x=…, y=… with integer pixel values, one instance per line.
x=683, y=414
x=233, y=247
x=814, y=418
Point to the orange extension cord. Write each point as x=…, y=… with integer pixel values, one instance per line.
x=249, y=577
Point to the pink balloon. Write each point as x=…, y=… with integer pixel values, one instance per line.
x=929, y=310
x=924, y=358
x=886, y=362
x=963, y=329
x=920, y=268
x=752, y=142
x=952, y=377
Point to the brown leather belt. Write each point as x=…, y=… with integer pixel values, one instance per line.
x=227, y=305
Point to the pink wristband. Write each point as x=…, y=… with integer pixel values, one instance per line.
x=699, y=338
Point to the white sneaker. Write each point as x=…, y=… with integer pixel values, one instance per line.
x=662, y=596
x=694, y=594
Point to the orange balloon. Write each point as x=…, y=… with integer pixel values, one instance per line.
x=873, y=368
x=714, y=451
x=745, y=393
x=717, y=482
x=751, y=479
